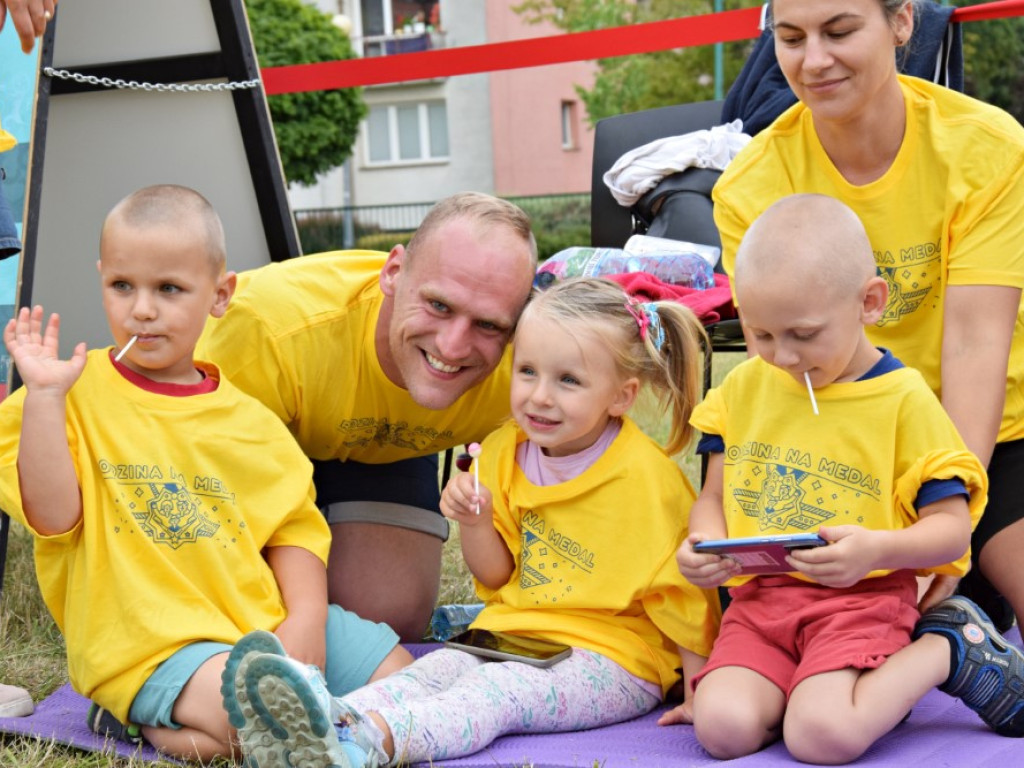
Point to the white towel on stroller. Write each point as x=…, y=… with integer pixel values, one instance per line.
x=639, y=170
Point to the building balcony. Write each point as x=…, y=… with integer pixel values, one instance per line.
x=389, y=45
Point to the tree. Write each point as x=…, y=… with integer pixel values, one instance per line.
x=994, y=62
x=316, y=130
x=633, y=83
x=993, y=56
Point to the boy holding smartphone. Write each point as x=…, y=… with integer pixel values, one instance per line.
x=822, y=431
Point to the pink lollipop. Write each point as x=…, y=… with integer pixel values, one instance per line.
x=474, y=451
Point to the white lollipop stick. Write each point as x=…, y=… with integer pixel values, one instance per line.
x=125, y=348
x=474, y=451
x=810, y=391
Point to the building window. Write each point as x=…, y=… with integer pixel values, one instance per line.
x=398, y=26
x=407, y=133
x=569, y=125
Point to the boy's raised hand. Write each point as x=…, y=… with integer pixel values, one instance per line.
x=35, y=351
x=706, y=571
x=459, y=501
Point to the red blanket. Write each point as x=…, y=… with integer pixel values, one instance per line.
x=709, y=305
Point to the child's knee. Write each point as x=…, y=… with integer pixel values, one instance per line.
x=820, y=737
x=728, y=730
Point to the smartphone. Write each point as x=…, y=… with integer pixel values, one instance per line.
x=761, y=554
x=506, y=647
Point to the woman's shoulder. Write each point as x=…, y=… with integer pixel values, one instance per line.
x=767, y=150
x=945, y=108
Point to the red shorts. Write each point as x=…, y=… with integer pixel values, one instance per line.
x=787, y=630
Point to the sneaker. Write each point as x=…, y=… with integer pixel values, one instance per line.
x=986, y=672
x=15, y=702
x=289, y=721
x=359, y=735
x=103, y=723
x=357, y=752
x=233, y=677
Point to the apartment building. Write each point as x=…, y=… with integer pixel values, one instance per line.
x=511, y=132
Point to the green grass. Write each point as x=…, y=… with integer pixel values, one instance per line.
x=33, y=650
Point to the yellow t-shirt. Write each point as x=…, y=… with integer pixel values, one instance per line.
x=299, y=336
x=180, y=495
x=950, y=211
x=595, y=560
x=860, y=461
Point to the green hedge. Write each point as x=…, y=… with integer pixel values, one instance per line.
x=383, y=241
x=558, y=221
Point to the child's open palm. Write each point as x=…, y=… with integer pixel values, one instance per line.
x=35, y=351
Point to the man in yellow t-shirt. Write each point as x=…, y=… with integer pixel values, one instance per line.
x=377, y=362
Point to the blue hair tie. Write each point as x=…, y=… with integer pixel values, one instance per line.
x=649, y=321
x=655, y=328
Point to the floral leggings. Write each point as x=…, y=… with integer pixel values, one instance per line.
x=450, y=703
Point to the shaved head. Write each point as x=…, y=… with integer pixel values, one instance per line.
x=173, y=207
x=815, y=239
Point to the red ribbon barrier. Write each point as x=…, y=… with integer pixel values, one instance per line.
x=724, y=27
x=999, y=10
x=533, y=52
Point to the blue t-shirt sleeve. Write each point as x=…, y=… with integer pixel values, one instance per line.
x=937, y=490
x=711, y=444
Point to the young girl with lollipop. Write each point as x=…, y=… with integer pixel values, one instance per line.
x=579, y=517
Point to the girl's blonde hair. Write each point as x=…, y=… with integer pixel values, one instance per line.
x=660, y=343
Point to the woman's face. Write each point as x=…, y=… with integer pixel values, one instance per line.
x=838, y=55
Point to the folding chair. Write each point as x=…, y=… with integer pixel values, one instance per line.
x=611, y=224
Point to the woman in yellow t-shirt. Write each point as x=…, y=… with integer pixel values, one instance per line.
x=937, y=178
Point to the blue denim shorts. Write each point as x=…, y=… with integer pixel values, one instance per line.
x=355, y=648
x=9, y=242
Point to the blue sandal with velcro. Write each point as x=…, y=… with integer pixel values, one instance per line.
x=986, y=671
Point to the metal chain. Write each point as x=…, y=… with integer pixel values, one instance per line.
x=107, y=82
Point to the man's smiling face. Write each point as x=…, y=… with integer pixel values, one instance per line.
x=450, y=308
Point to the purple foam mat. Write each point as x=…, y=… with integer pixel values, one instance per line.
x=941, y=731
x=61, y=716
